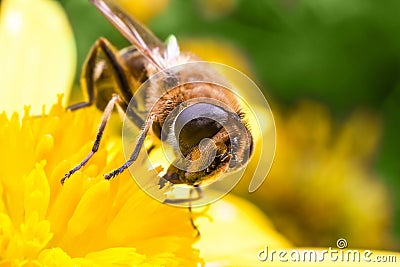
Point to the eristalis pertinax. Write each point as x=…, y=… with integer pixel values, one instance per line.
x=190, y=103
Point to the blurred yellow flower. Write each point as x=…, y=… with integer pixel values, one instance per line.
x=237, y=233
x=143, y=10
x=215, y=9
x=89, y=221
x=37, y=50
x=217, y=50
x=321, y=185
x=233, y=231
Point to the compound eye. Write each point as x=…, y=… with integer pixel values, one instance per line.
x=196, y=122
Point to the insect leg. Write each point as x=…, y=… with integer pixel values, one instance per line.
x=100, y=131
x=190, y=209
x=135, y=152
x=190, y=199
x=119, y=72
x=88, y=77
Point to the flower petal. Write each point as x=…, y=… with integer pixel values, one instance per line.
x=37, y=52
x=37, y=192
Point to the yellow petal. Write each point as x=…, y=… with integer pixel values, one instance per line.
x=116, y=257
x=66, y=202
x=37, y=52
x=90, y=208
x=44, y=146
x=6, y=233
x=37, y=192
x=235, y=232
x=55, y=257
x=35, y=234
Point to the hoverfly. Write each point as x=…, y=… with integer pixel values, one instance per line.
x=196, y=120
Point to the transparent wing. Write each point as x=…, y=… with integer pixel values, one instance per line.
x=141, y=37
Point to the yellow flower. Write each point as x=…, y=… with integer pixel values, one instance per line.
x=233, y=231
x=143, y=10
x=89, y=221
x=237, y=233
x=321, y=185
x=37, y=52
x=215, y=9
x=216, y=50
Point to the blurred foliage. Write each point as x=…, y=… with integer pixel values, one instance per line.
x=345, y=54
